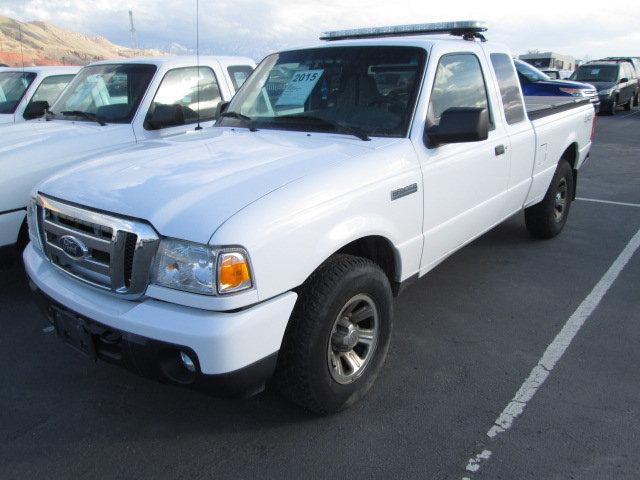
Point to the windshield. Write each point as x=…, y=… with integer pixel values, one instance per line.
x=539, y=62
x=530, y=73
x=371, y=90
x=596, y=73
x=13, y=86
x=110, y=93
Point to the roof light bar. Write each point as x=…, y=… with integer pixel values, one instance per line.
x=468, y=29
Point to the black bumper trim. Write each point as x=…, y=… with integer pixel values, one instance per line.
x=159, y=360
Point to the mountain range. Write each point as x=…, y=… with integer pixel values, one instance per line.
x=40, y=43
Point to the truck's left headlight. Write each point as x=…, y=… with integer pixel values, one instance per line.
x=32, y=223
x=198, y=268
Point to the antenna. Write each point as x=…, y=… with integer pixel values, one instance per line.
x=21, y=52
x=132, y=29
x=198, y=127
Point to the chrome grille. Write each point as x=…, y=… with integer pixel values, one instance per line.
x=108, y=252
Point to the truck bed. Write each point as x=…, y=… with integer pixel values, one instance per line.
x=539, y=106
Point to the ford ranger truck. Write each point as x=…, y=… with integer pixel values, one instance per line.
x=270, y=246
x=26, y=93
x=109, y=106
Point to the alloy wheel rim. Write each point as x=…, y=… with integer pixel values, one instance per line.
x=353, y=339
x=560, y=203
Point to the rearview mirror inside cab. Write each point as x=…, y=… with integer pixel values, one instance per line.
x=457, y=125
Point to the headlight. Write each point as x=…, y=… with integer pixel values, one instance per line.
x=32, y=223
x=198, y=268
x=576, y=92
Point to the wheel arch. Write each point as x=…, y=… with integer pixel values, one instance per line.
x=571, y=154
x=381, y=251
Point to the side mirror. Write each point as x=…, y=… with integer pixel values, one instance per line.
x=36, y=109
x=623, y=80
x=458, y=125
x=221, y=108
x=164, y=116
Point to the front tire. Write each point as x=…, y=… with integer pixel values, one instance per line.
x=547, y=218
x=636, y=100
x=338, y=335
x=612, y=107
x=627, y=106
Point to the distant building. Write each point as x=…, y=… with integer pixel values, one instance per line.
x=547, y=60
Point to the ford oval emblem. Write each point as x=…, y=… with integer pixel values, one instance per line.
x=73, y=247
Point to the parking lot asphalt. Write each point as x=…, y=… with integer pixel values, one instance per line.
x=466, y=337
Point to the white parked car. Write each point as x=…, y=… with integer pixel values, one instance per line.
x=110, y=106
x=273, y=243
x=26, y=93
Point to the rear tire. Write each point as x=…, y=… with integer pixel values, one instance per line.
x=345, y=308
x=547, y=218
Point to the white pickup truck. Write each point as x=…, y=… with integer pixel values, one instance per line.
x=109, y=106
x=272, y=245
x=25, y=93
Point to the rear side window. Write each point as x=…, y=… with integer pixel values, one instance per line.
x=238, y=74
x=509, y=91
x=50, y=88
x=181, y=87
x=458, y=83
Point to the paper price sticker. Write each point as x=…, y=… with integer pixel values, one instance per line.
x=299, y=87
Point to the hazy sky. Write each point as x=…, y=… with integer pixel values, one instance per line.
x=576, y=27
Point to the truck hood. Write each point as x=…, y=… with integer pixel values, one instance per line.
x=48, y=147
x=189, y=185
x=568, y=84
x=6, y=118
x=603, y=85
x=40, y=132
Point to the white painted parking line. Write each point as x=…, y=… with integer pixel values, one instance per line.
x=555, y=350
x=611, y=202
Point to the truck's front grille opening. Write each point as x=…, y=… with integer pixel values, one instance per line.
x=99, y=249
x=129, y=252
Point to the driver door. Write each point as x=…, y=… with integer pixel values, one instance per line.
x=463, y=182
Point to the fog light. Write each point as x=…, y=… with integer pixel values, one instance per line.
x=187, y=362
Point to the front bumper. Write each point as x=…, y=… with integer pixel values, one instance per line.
x=234, y=352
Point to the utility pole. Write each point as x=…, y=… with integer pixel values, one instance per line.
x=132, y=29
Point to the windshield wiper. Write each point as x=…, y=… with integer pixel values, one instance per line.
x=242, y=117
x=338, y=127
x=87, y=115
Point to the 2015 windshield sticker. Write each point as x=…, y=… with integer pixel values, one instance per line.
x=299, y=87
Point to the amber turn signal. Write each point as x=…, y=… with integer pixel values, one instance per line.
x=233, y=272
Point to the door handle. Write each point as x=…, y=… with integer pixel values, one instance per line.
x=500, y=149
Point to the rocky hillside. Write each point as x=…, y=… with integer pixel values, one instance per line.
x=45, y=44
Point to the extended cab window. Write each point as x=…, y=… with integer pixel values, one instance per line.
x=238, y=74
x=13, y=86
x=509, y=87
x=185, y=91
x=50, y=89
x=458, y=83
